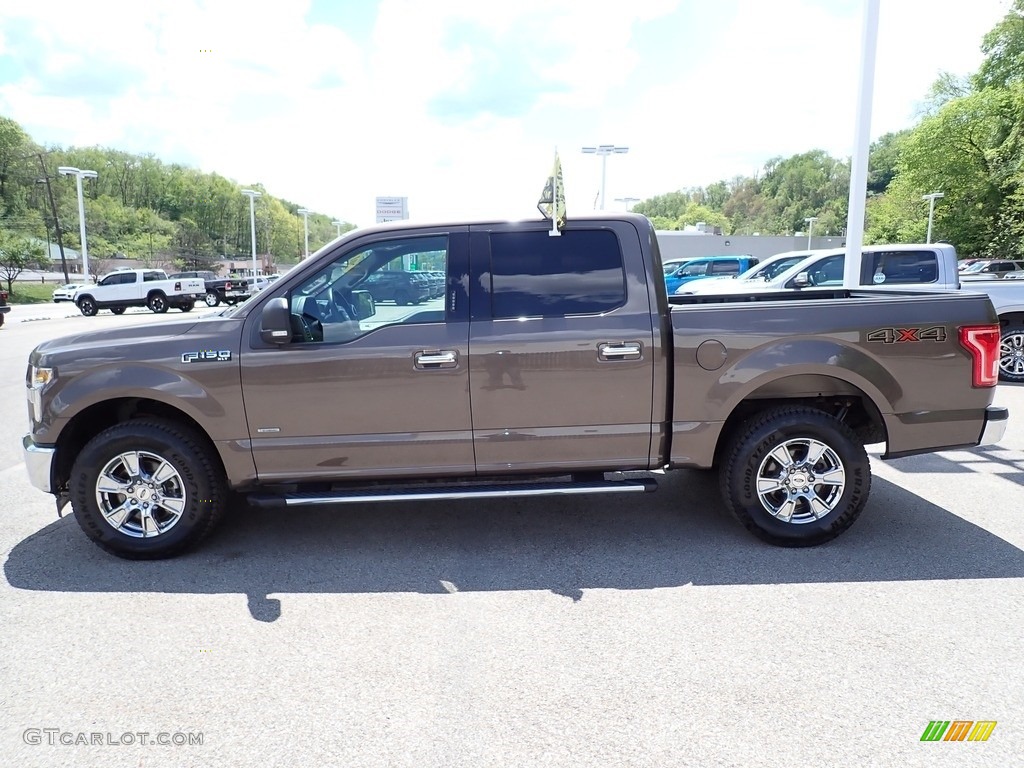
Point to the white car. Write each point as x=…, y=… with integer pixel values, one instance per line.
x=256, y=284
x=66, y=292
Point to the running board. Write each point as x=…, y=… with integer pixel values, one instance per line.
x=434, y=493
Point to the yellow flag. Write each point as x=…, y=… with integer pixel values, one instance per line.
x=552, y=199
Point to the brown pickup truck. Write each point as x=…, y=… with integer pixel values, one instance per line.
x=550, y=365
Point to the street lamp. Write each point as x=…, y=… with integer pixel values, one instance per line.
x=604, y=150
x=337, y=223
x=810, y=229
x=252, y=194
x=305, y=225
x=628, y=201
x=931, y=211
x=79, y=175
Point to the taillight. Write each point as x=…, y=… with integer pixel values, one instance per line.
x=982, y=341
x=177, y=286
x=227, y=286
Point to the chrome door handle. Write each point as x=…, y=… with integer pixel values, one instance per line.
x=629, y=350
x=444, y=358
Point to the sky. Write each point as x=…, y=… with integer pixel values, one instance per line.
x=460, y=105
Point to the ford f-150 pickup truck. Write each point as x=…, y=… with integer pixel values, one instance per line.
x=551, y=365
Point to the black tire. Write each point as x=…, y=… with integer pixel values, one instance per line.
x=87, y=306
x=118, y=310
x=792, y=431
x=211, y=298
x=1011, y=353
x=402, y=298
x=157, y=302
x=187, y=306
x=190, y=476
x=2, y=319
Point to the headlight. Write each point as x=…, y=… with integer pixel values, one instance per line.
x=41, y=377
x=38, y=379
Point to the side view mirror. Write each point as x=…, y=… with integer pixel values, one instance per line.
x=275, y=322
x=802, y=280
x=363, y=305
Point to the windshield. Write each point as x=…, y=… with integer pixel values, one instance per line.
x=975, y=267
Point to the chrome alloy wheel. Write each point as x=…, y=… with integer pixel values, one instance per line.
x=1011, y=353
x=140, y=494
x=800, y=481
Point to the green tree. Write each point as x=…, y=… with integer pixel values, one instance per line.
x=16, y=254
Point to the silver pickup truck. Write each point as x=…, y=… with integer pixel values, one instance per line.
x=550, y=365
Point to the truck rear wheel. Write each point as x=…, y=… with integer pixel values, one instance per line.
x=157, y=302
x=147, y=489
x=1011, y=353
x=186, y=306
x=795, y=476
x=211, y=298
x=118, y=310
x=87, y=306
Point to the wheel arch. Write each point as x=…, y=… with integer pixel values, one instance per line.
x=95, y=418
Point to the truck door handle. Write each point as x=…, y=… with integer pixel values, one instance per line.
x=444, y=358
x=628, y=350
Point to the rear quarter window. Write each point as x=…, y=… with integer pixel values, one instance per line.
x=904, y=267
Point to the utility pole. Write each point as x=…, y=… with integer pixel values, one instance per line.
x=56, y=221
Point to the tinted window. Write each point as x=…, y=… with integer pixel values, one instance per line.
x=903, y=267
x=536, y=275
x=730, y=267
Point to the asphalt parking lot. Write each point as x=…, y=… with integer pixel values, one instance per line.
x=561, y=632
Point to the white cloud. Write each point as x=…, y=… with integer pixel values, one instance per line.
x=459, y=104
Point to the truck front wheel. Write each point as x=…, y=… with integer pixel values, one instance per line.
x=1011, y=353
x=157, y=302
x=795, y=476
x=147, y=489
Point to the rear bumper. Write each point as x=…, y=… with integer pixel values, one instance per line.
x=996, y=419
x=4, y=308
x=39, y=463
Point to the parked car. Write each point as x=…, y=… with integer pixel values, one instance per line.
x=904, y=265
x=229, y=290
x=708, y=266
x=151, y=288
x=4, y=309
x=398, y=286
x=991, y=267
x=256, y=284
x=65, y=292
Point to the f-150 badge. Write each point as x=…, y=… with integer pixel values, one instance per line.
x=206, y=355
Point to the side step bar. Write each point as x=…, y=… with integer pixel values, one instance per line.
x=433, y=493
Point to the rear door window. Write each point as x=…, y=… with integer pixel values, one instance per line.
x=536, y=275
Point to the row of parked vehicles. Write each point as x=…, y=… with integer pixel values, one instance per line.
x=907, y=266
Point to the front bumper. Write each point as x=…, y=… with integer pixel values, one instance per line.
x=39, y=463
x=996, y=419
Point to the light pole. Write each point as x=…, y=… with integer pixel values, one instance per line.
x=810, y=229
x=604, y=150
x=931, y=198
x=628, y=201
x=79, y=175
x=337, y=223
x=305, y=226
x=252, y=194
